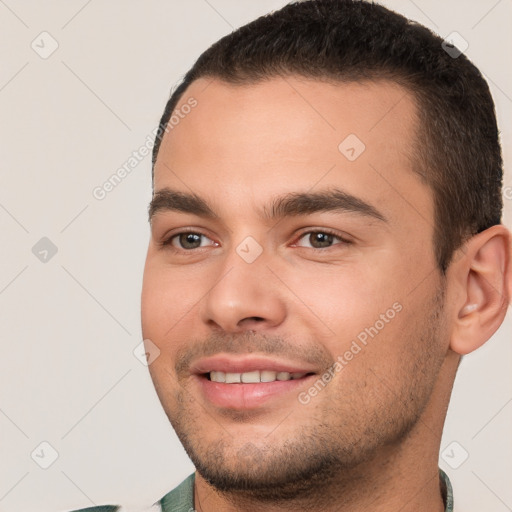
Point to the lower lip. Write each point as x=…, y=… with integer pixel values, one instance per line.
x=248, y=396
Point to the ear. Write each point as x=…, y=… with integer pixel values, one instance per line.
x=482, y=276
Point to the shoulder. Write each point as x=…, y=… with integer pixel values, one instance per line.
x=180, y=499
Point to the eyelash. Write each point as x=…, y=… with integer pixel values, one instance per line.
x=342, y=241
x=167, y=242
x=324, y=231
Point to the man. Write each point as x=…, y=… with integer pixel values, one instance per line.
x=325, y=247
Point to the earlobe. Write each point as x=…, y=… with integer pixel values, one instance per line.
x=486, y=276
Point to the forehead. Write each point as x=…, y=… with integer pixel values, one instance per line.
x=292, y=133
x=307, y=108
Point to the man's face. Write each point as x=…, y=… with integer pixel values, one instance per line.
x=282, y=255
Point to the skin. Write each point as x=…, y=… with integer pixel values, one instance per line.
x=369, y=440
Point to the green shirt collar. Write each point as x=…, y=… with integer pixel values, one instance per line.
x=181, y=499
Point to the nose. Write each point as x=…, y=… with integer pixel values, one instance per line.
x=246, y=296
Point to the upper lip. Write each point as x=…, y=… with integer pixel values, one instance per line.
x=241, y=364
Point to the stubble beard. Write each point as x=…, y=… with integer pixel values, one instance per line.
x=346, y=435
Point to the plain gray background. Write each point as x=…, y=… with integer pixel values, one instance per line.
x=70, y=323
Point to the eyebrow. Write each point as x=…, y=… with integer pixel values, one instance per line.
x=287, y=205
x=331, y=200
x=172, y=200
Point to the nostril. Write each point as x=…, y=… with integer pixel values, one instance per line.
x=249, y=323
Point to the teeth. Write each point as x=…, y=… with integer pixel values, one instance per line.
x=218, y=376
x=268, y=376
x=253, y=377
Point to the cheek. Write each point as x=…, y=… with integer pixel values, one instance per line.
x=170, y=301
x=167, y=295
x=153, y=301
x=347, y=299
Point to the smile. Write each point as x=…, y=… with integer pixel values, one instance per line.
x=253, y=377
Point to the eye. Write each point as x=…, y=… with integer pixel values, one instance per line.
x=189, y=241
x=319, y=240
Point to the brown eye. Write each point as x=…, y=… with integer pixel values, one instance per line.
x=318, y=240
x=189, y=241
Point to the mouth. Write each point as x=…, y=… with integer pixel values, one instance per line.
x=249, y=383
